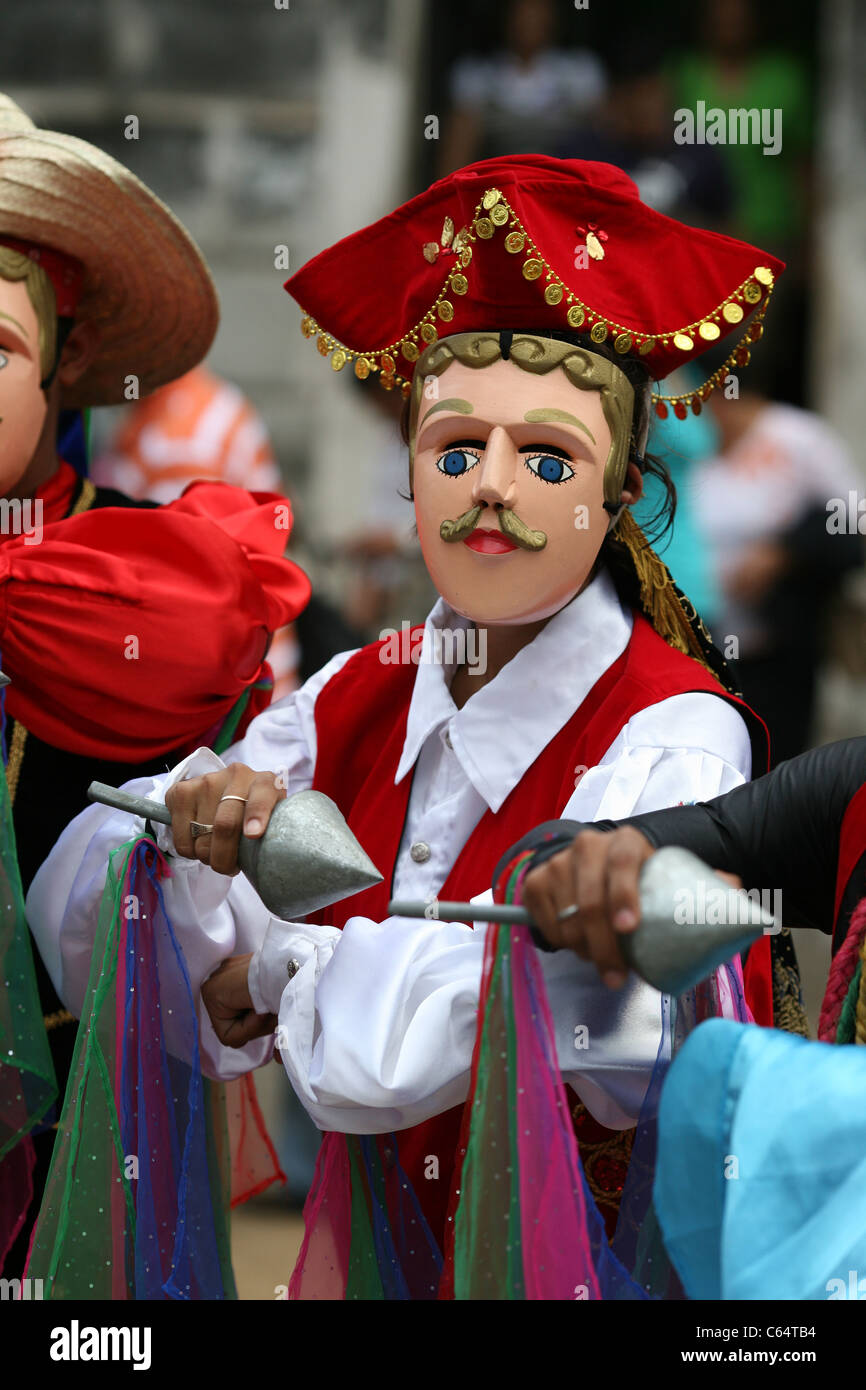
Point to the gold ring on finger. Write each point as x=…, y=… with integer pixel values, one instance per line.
x=196, y=828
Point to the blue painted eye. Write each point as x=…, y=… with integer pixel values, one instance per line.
x=455, y=462
x=550, y=469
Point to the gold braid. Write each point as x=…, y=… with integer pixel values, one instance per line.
x=659, y=599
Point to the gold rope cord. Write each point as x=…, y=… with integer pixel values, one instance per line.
x=659, y=599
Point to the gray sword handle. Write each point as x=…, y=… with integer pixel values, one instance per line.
x=460, y=912
x=125, y=801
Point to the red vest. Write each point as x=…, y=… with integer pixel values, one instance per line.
x=360, y=729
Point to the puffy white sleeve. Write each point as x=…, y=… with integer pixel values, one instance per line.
x=685, y=749
x=377, y=1023
x=214, y=916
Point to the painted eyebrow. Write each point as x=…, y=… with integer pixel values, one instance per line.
x=453, y=403
x=550, y=415
x=16, y=323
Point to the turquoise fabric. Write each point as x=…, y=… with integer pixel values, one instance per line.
x=760, y=1184
x=680, y=444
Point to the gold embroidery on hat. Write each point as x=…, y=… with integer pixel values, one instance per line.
x=737, y=304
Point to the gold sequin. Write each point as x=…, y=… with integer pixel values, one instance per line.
x=465, y=256
x=764, y=275
x=428, y=332
x=338, y=361
x=459, y=284
x=57, y=1020
x=709, y=332
x=623, y=342
x=410, y=351
x=532, y=269
x=16, y=757
x=484, y=228
x=732, y=313
x=646, y=346
x=323, y=345
x=446, y=311
x=598, y=332
x=499, y=215
x=431, y=251
x=575, y=316
x=490, y=199
x=683, y=342
x=553, y=294
x=594, y=246
x=308, y=328
x=751, y=292
x=363, y=368
x=514, y=242
x=389, y=366
x=447, y=232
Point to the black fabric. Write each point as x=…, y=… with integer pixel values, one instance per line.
x=779, y=832
x=322, y=632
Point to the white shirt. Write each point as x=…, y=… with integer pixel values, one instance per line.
x=376, y=1028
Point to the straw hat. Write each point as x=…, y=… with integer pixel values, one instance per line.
x=146, y=284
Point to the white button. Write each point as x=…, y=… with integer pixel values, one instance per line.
x=420, y=852
x=292, y=968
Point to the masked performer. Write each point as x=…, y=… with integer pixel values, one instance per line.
x=793, y=1223
x=129, y=632
x=533, y=332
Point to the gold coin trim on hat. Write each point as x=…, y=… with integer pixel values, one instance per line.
x=731, y=311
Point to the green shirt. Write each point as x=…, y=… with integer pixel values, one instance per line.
x=768, y=199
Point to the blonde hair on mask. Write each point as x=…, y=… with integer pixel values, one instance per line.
x=586, y=370
x=15, y=266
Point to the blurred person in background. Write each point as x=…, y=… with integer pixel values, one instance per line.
x=527, y=97
x=680, y=444
x=390, y=582
x=634, y=130
x=202, y=428
x=196, y=428
x=733, y=69
x=762, y=505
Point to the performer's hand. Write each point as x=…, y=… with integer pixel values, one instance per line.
x=233, y=801
x=226, y=996
x=599, y=872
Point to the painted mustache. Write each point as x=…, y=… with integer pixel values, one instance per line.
x=509, y=523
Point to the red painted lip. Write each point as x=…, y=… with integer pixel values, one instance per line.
x=488, y=542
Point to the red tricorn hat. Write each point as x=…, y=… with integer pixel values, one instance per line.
x=527, y=242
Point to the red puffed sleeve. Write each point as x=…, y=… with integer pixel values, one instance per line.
x=128, y=632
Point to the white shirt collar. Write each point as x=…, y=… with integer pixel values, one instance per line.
x=500, y=731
